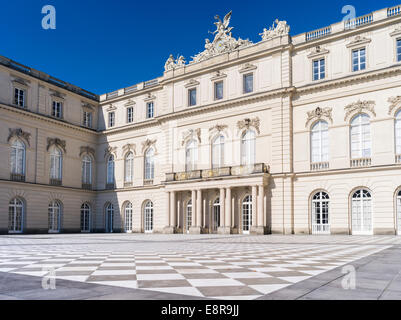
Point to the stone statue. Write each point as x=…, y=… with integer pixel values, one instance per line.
x=180, y=62
x=279, y=28
x=170, y=64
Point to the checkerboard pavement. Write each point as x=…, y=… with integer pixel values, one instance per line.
x=226, y=267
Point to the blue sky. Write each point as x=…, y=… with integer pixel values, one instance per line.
x=104, y=45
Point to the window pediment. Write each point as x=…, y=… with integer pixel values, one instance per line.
x=318, y=51
x=110, y=151
x=396, y=32
x=129, y=147
x=191, y=83
x=150, y=97
x=57, y=95
x=395, y=103
x=111, y=108
x=248, y=123
x=19, y=82
x=247, y=67
x=87, y=106
x=87, y=150
x=147, y=144
x=357, y=41
x=19, y=133
x=191, y=134
x=130, y=103
x=218, y=76
x=359, y=107
x=56, y=142
x=317, y=114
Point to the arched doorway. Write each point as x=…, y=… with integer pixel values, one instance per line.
x=320, y=213
x=109, y=217
x=15, y=216
x=148, y=217
x=361, y=212
x=216, y=215
x=188, y=220
x=54, y=217
x=128, y=217
x=85, y=217
x=246, y=214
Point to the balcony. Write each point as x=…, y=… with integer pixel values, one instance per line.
x=127, y=184
x=17, y=177
x=258, y=168
x=319, y=166
x=148, y=182
x=361, y=162
x=55, y=182
x=87, y=186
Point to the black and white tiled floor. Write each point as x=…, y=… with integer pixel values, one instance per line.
x=221, y=267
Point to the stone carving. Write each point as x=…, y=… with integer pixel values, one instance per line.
x=279, y=28
x=87, y=150
x=358, y=107
x=172, y=63
x=130, y=147
x=358, y=40
x=318, y=50
x=247, y=123
x=395, y=102
x=319, y=113
x=18, y=133
x=218, y=128
x=223, y=41
x=147, y=143
x=191, y=133
x=109, y=150
x=56, y=142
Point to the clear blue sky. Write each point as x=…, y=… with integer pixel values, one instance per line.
x=104, y=45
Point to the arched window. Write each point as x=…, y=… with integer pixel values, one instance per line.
x=109, y=218
x=248, y=148
x=110, y=169
x=16, y=212
x=54, y=217
x=399, y=213
x=218, y=152
x=189, y=216
x=398, y=133
x=149, y=164
x=360, y=137
x=87, y=170
x=216, y=215
x=129, y=167
x=128, y=217
x=320, y=213
x=191, y=155
x=361, y=212
x=18, y=158
x=85, y=217
x=56, y=162
x=246, y=214
x=148, y=217
x=320, y=142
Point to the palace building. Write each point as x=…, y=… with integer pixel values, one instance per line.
x=292, y=134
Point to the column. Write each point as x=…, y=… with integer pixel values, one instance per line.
x=194, y=223
x=222, y=207
x=254, y=205
x=168, y=209
x=199, y=209
x=173, y=221
x=261, y=196
x=228, y=209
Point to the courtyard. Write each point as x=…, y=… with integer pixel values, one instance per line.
x=172, y=267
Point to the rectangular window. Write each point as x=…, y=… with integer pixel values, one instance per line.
x=57, y=110
x=87, y=119
x=359, y=59
x=319, y=69
x=398, y=49
x=130, y=114
x=248, y=83
x=112, y=119
x=19, y=97
x=149, y=110
x=218, y=90
x=192, y=97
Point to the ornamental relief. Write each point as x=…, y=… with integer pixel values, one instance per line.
x=129, y=147
x=110, y=151
x=87, y=150
x=56, y=142
x=147, y=143
x=359, y=107
x=247, y=123
x=216, y=129
x=18, y=133
x=318, y=114
x=395, y=103
x=191, y=133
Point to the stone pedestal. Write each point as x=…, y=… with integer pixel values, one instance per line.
x=257, y=230
x=195, y=230
x=224, y=230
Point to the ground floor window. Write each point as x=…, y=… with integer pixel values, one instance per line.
x=246, y=214
x=361, y=214
x=109, y=218
x=189, y=215
x=320, y=213
x=148, y=216
x=216, y=215
x=85, y=217
x=128, y=217
x=54, y=216
x=15, y=216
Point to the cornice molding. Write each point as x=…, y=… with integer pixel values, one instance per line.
x=218, y=76
x=247, y=67
x=192, y=83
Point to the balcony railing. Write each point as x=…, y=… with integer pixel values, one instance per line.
x=394, y=11
x=398, y=158
x=217, y=172
x=17, y=177
x=87, y=186
x=357, y=22
x=55, y=182
x=320, y=229
x=316, y=34
x=148, y=182
x=319, y=166
x=110, y=186
x=361, y=162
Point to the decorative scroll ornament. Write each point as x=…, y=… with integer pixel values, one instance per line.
x=172, y=63
x=18, y=133
x=319, y=113
x=223, y=41
x=358, y=40
x=109, y=150
x=316, y=51
x=358, y=107
x=87, y=150
x=279, y=28
x=191, y=133
x=147, y=143
x=56, y=142
x=247, y=123
x=218, y=128
x=129, y=147
x=395, y=102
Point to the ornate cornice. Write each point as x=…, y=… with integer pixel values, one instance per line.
x=110, y=150
x=191, y=133
x=395, y=103
x=88, y=150
x=18, y=133
x=56, y=142
x=247, y=123
x=147, y=143
x=319, y=113
x=129, y=147
x=359, y=107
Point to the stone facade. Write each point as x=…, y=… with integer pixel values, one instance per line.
x=156, y=165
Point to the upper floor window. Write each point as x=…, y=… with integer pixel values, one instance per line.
x=19, y=97
x=320, y=142
x=86, y=170
x=112, y=119
x=360, y=137
x=248, y=83
x=218, y=90
x=57, y=109
x=110, y=170
x=359, y=59
x=87, y=119
x=192, y=97
x=150, y=110
x=149, y=164
x=218, y=152
x=398, y=133
x=18, y=158
x=56, y=160
x=319, y=69
x=129, y=167
x=248, y=148
x=191, y=155
x=130, y=114
x=398, y=49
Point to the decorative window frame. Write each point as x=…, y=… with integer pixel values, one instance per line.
x=396, y=35
x=21, y=84
x=61, y=144
x=246, y=124
x=86, y=107
x=191, y=134
x=358, y=107
x=395, y=105
x=56, y=97
x=148, y=99
x=318, y=114
x=359, y=42
x=18, y=133
x=247, y=69
x=319, y=53
x=149, y=143
x=218, y=77
x=191, y=85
